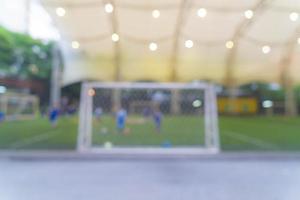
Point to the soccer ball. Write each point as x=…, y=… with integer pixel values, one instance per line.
x=108, y=145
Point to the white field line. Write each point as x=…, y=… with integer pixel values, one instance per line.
x=250, y=140
x=32, y=140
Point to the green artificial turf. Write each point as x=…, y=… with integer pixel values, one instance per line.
x=236, y=133
x=175, y=131
x=38, y=134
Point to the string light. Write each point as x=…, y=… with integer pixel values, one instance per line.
x=229, y=44
x=61, y=12
x=248, y=14
x=266, y=49
x=156, y=14
x=294, y=16
x=202, y=12
x=189, y=44
x=115, y=37
x=75, y=45
x=109, y=8
x=153, y=46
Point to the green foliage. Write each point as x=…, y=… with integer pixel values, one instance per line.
x=24, y=57
x=6, y=49
x=264, y=91
x=297, y=89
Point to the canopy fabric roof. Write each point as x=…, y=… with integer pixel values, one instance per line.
x=274, y=24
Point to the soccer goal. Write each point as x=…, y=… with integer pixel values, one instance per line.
x=139, y=116
x=15, y=106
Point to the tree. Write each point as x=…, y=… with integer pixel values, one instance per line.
x=21, y=56
x=6, y=50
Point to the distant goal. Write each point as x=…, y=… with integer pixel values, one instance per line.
x=141, y=116
x=18, y=106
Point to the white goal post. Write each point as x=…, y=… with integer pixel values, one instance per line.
x=211, y=129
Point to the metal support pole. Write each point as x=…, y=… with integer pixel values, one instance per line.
x=207, y=118
x=84, y=139
x=175, y=49
x=229, y=79
x=215, y=122
x=82, y=119
x=230, y=82
x=55, y=92
x=290, y=103
x=211, y=119
x=116, y=96
x=175, y=101
x=181, y=18
x=89, y=121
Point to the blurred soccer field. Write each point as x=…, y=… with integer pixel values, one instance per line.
x=175, y=131
x=237, y=133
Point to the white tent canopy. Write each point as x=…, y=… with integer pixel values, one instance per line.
x=231, y=42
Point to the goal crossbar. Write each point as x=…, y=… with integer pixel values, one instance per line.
x=129, y=85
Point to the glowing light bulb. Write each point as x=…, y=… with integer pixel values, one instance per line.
x=294, y=16
x=109, y=8
x=115, y=37
x=202, y=12
x=189, y=44
x=266, y=49
x=61, y=12
x=248, y=14
x=75, y=45
x=153, y=46
x=156, y=14
x=229, y=44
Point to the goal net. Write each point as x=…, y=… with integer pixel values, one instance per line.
x=15, y=106
x=152, y=115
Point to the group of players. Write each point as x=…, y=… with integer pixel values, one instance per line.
x=121, y=117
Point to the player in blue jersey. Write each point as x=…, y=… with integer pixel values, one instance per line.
x=2, y=116
x=157, y=119
x=53, y=116
x=98, y=113
x=121, y=117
